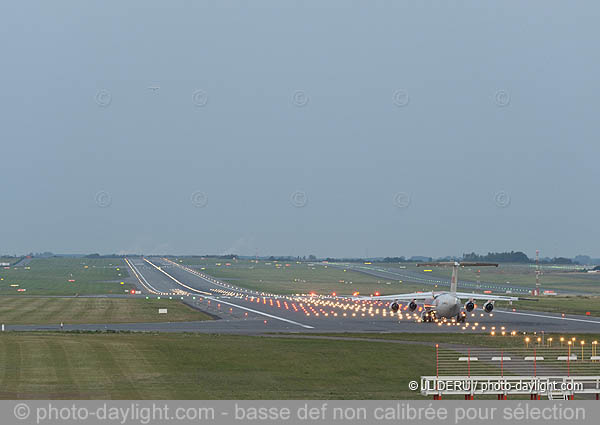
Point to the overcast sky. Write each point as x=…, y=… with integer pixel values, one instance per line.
x=335, y=128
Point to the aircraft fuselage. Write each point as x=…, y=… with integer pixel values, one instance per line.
x=446, y=306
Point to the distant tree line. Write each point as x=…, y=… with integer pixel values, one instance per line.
x=401, y=259
x=557, y=260
x=515, y=257
x=101, y=256
x=394, y=259
x=499, y=257
x=284, y=258
x=496, y=257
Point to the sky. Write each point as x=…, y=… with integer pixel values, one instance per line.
x=269, y=127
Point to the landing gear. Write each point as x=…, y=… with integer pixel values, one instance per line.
x=427, y=316
x=462, y=317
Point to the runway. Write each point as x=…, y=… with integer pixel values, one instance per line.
x=395, y=273
x=245, y=311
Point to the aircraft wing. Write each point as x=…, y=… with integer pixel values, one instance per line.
x=456, y=263
x=484, y=297
x=428, y=295
x=399, y=297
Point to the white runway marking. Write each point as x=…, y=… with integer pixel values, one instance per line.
x=212, y=281
x=542, y=316
x=283, y=319
x=139, y=275
x=176, y=281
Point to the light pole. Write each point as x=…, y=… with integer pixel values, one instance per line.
x=569, y=361
x=543, y=337
x=582, y=344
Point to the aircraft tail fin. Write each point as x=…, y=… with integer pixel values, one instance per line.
x=454, y=280
x=455, y=265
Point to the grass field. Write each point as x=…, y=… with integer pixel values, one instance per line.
x=34, y=310
x=553, y=277
x=568, y=305
x=50, y=276
x=184, y=366
x=292, y=277
x=64, y=365
x=276, y=277
x=9, y=260
x=473, y=339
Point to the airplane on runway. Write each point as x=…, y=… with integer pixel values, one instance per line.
x=445, y=304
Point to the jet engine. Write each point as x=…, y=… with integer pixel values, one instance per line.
x=412, y=305
x=488, y=307
x=395, y=307
x=470, y=306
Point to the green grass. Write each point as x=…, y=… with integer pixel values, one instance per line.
x=50, y=276
x=9, y=260
x=471, y=339
x=552, y=278
x=304, y=277
x=568, y=305
x=61, y=365
x=549, y=346
x=185, y=366
x=34, y=310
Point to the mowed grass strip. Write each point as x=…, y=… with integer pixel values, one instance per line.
x=292, y=277
x=52, y=276
x=475, y=339
x=9, y=260
x=581, y=305
x=38, y=311
x=185, y=366
x=513, y=275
